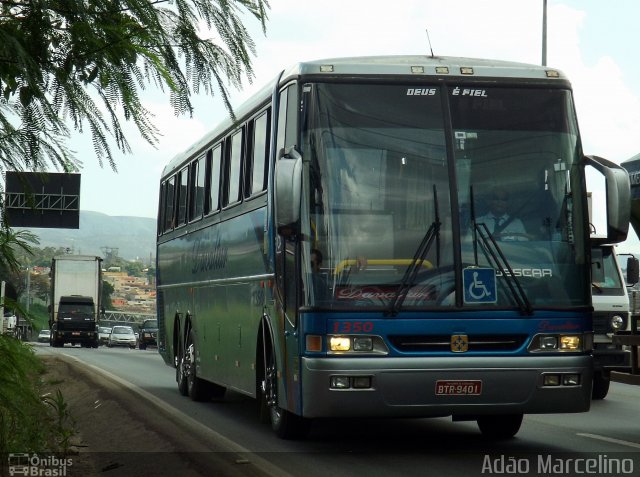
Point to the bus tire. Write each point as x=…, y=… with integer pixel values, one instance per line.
x=197, y=388
x=503, y=426
x=600, y=386
x=179, y=359
x=262, y=401
x=285, y=424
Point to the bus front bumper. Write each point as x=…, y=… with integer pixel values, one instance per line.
x=457, y=386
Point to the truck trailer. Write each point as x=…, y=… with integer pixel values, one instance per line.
x=76, y=289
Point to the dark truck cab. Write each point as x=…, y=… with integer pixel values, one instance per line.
x=148, y=334
x=75, y=323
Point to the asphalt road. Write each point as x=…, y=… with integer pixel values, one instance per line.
x=608, y=436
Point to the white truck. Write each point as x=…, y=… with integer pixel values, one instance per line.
x=76, y=289
x=611, y=313
x=630, y=337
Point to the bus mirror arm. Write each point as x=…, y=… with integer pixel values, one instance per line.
x=288, y=185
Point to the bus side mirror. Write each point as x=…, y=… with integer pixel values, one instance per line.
x=633, y=271
x=618, y=197
x=288, y=185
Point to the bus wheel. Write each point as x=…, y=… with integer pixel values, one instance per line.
x=181, y=369
x=600, y=386
x=501, y=426
x=199, y=389
x=285, y=424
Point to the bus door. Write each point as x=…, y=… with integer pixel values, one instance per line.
x=288, y=333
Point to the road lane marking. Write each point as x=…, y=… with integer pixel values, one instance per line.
x=609, y=439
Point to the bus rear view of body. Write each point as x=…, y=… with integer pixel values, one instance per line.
x=387, y=237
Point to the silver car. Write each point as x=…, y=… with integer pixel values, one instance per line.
x=103, y=334
x=122, y=336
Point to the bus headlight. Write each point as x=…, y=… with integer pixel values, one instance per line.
x=356, y=345
x=570, y=343
x=564, y=343
x=340, y=343
x=362, y=343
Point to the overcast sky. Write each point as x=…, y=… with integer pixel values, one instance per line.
x=590, y=40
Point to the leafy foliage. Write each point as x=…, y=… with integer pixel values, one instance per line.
x=28, y=422
x=83, y=63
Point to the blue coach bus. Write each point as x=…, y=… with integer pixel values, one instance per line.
x=387, y=237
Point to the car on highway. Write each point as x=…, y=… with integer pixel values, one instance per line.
x=44, y=336
x=103, y=334
x=122, y=336
x=148, y=334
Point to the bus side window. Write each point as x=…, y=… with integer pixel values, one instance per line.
x=161, y=211
x=214, y=164
x=182, y=196
x=169, y=207
x=282, y=120
x=287, y=118
x=234, y=168
x=260, y=152
x=196, y=189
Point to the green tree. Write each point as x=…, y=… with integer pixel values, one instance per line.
x=107, y=291
x=82, y=64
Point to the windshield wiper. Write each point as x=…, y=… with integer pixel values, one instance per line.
x=433, y=233
x=498, y=261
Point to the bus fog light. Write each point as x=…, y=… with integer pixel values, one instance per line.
x=548, y=342
x=570, y=379
x=361, y=382
x=340, y=382
x=570, y=343
x=362, y=343
x=340, y=343
x=551, y=380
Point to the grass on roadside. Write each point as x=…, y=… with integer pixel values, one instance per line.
x=29, y=421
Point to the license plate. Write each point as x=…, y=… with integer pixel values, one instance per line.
x=75, y=333
x=459, y=388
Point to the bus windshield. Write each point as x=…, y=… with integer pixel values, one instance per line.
x=407, y=187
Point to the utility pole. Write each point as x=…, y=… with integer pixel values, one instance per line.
x=544, y=32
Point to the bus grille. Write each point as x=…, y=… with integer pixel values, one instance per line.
x=485, y=343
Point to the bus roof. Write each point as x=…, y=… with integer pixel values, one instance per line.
x=440, y=67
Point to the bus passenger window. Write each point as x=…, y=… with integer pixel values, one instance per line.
x=196, y=184
x=161, y=211
x=215, y=162
x=260, y=154
x=235, y=163
x=169, y=204
x=182, y=196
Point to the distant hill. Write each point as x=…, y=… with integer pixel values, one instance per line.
x=134, y=237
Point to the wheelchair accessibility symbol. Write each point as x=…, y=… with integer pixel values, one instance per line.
x=479, y=285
